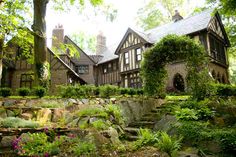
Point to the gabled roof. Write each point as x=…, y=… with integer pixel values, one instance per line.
x=185, y=26
x=108, y=54
x=67, y=66
x=142, y=36
x=189, y=25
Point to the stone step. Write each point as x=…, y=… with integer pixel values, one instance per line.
x=142, y=124
x=131, y=138
x=131, y=130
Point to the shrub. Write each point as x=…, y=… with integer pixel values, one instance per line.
x=92, y=111
x=185, y=114
x=23, y=91
x=78, y=91
x=115, y=111
x=100, y=125
x=168, y=144
x=123, y=91
x=108, y=90
x=225, y=90
x=84, y=148
x=132, y=91
x=145, y=137
x=40, y=91
x=14, y=122
x=5, y=92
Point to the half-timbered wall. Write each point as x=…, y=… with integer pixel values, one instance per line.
x=108, y=73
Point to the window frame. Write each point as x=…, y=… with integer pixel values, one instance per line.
x=126, y=58
x=86, y=69
x=138, y=54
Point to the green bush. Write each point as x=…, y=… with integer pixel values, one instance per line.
x=169, y=144
x=92, y=111
x=84, y=148
x=224, y=89
x=115, y=111
x=100, y=124
x=40, y=91
x=14, y=122
x=123, y=91
x=185, y=114
x=24, y=91
x=146, y=137
x=107, y=91
x=5, y=92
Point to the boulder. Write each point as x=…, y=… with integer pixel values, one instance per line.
x=57, y=115
x=26, y=116
x=113, y=100
x=114, y=136
x=10, y=113
x=85, y=101
x=3, y=113
x=165, y=124
x=44, y=115
x=21, y=103
x=9, y=103
x=7, y=141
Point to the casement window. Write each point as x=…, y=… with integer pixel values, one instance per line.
x=138, y=54
x=126, y=58
x=26, y=80
x=104, y=69
x=217, y=49
x=83, y=69
x=109, y=67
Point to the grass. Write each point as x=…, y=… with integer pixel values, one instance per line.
x=181, y=97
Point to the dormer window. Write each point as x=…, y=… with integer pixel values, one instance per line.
x=126, y=59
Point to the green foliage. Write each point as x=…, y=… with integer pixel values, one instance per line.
x=224, y=89
x=84, y=148
x=24, y=91
x=13, y=122
x=227, y=139
x=192, y=131
x=172, y=48
x=108, y=90
x=151, y=15
x=199, y=108
x=92, y=111
x=5, y=92
x=100, y=125
x=51, y=105
x=115, y=111
x=169, y=144
x=185, y=114
x=146, y=137
x=40, y=91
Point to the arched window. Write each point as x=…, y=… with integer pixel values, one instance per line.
x=218, y=77
x=223, y=79
x=178, y=82
x=213, y=73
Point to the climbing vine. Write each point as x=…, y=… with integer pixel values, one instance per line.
x=169, y=49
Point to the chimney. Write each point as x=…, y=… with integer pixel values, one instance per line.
x=57, y=36
x=101, y=43
x=177, y=16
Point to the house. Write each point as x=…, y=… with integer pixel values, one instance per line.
x=120, y=65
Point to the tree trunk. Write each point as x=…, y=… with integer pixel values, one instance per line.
x=42, y=72
x=1, y=56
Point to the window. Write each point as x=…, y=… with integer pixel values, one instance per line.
x=26, y=80
x=217, y=49
x=83, y=69
x=126, y=58
x=114, y=66
x=138, y=54
x=109, y=67
x=105, y=69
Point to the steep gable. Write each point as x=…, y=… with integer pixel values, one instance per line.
x=130, y=38
x=216, y=26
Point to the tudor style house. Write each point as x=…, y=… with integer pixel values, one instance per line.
x=120, y=64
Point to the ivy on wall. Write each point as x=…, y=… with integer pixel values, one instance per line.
x=169, y=49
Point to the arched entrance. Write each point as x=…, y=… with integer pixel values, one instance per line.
x=178, y=82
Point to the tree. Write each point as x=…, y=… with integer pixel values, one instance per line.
x=12, y=20
x=157, y=12
x=85, y=41
x=42, y=73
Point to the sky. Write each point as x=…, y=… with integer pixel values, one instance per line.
x=126, y=17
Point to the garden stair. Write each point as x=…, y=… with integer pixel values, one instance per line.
x=147, y=121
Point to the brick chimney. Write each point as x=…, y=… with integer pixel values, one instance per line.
x=177, y=16
x=101, y=43
x=57, y=36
